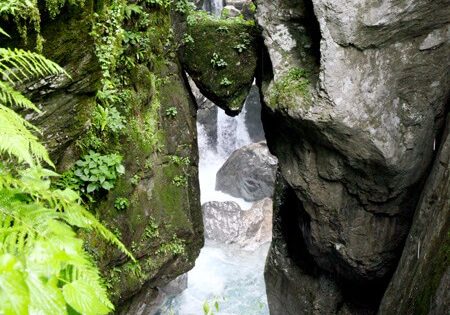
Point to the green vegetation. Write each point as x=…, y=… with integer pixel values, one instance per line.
x=44, y=267
x=171, y=112
x=292, y=90
x=95, y=171
x=226, y=82
x=175, y=247
x=210, y=308
x=180, y=180
x=218, y=62
x=228, y=50
x=132, y=104
x=121, y=203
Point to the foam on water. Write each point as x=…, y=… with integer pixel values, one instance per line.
x=228, y=275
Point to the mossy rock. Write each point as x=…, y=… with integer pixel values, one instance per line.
x=221, y=56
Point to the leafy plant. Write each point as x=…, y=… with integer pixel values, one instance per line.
x=135, y=179
x=226, y=82
x=218, y=62
x=209, y=310
x=151, y=230
x=44, y=268
x=16, y=134
x=179, y=160
x=187, y=39
x=175, y=247
x=108, y=119
x=121, y=203
x=171, y=112
x=95, y=171
x=240, y=48
x=180, y=180
x=183, y=6
x=223, y=29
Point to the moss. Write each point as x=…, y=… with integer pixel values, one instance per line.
x=169, y=198
x=222, y=59
x=436, y=269
x=292, y=90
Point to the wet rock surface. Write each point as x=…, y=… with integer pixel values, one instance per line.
x=249, y=173
x=226, y=222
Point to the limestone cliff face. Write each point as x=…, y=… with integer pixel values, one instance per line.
x=161, y=213
x=355, y=97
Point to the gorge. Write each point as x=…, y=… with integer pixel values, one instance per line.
x=340, y=107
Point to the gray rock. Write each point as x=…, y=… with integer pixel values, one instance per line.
x=249, y=173
x=253, y=115
x=206, y=113
x=176, y=286
x=421, y=283
x=221, y=220
x=226, y=222
x=356, y=141
x=293, y=288
x=239, y=4
x=230, y=11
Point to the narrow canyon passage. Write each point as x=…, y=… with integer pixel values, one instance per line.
x=229, y=270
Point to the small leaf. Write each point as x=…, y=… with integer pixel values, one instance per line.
x=107, y=185
x=120, y=169
x=91, y=187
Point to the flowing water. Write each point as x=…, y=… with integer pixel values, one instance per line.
x=213, y=6
x=223, y=273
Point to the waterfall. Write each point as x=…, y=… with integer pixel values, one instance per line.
x=213, y=6
x=223, y=272
x=232, y=133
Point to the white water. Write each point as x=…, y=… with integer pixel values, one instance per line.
x=224, y=273
x=228, y=275
x=215, y=8
x=231, y=135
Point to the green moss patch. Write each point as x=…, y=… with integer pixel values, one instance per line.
x=221, y=55
x=292, y=90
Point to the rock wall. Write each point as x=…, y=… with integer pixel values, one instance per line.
x=355, y=95
x=161, y=214
x=421, y=282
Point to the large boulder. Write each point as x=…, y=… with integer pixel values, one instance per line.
x=221, y=56
x=421, y=284
x=249, y=173
x=353, y=107
x=226, y=222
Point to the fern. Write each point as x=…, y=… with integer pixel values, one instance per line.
x=16, y=138
x=44, y=268
x=19, y=64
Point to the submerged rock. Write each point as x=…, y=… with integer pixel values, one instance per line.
x=226, y=222
x=249, y=173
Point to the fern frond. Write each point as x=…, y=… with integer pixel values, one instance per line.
x=4, y=33
x=18, y=65
x=11, y=97
x=17, y=140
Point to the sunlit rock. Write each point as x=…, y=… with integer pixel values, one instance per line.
x=226, y=222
